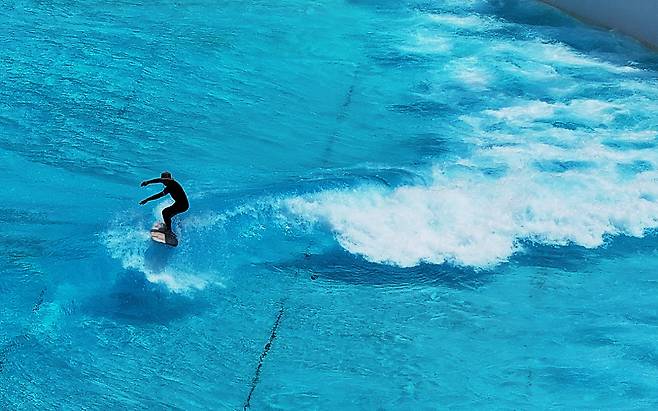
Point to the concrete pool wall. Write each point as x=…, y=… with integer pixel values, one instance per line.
x=637, y=18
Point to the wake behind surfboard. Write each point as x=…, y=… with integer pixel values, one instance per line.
x=160, y=235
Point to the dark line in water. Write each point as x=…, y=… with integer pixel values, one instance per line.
x=342, y=114
x=39, y=301
x=263, y=354
x=346, y=103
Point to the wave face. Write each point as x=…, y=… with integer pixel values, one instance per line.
x=528, y=179
x=403, y=205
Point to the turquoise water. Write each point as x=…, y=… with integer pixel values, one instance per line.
x=394, y=205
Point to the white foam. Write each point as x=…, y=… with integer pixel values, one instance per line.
x=130, y=244
x=176, y=281
x=214, y=220
x=474, y=221
x=470, y=21
x=524, y=113
x=555, y=186
x=428, y=43
x=587, y=109
x=529, y=70
x=433, y=43
x=563, y=55
x=468, y=71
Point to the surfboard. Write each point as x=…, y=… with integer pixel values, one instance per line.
x=159, y=235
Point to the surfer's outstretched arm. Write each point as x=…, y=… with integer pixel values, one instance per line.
x=153, y=197
x=154, y=180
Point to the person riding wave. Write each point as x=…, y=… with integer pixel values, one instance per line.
x=175, y=190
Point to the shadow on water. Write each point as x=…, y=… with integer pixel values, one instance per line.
x=570, y=258
x=575, y=258
x=133, y=298
x=156, y=258
x=338, y=265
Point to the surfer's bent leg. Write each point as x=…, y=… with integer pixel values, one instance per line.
x=171, y=211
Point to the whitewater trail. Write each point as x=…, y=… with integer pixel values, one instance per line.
x=129, y=242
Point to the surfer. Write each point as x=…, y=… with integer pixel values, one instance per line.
x=175, y=190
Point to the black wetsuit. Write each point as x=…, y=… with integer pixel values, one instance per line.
x=175, y=190
x=181, y=204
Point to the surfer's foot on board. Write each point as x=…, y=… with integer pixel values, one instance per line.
x=160, y=234
x=162, y=229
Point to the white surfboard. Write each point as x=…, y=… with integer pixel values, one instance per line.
x=160, y=235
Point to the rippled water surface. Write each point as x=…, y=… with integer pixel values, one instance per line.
x=395, y=205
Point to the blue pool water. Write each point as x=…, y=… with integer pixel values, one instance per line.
x=396, y=205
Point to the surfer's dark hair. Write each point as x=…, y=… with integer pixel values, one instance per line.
x=165, y=174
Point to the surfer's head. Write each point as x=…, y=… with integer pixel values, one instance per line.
x=165, y=174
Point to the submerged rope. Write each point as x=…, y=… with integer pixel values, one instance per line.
x=263, y=354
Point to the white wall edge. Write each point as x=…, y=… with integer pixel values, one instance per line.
x=636, y=18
